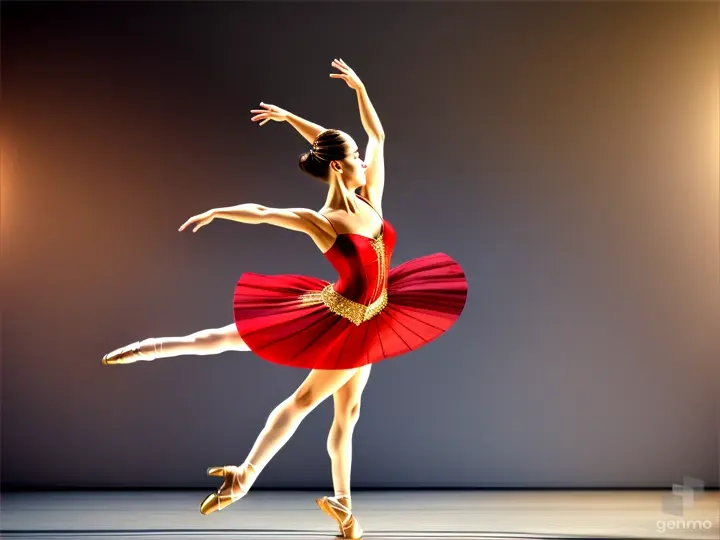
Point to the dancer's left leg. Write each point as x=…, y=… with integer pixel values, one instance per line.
x=204, y=342
x=281, y=425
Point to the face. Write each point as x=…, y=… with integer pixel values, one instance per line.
x=352, y=166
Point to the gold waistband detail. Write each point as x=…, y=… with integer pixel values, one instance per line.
x=337, y=303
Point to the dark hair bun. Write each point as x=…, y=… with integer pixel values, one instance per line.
x=310, y=164
x=330, y=145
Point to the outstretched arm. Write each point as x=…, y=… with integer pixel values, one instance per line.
x=297, y=219
x=307, y=129
x=374, y=155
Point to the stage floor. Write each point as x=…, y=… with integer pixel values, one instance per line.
x=383, y=514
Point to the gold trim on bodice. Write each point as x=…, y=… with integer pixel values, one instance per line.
x=353, y=311
x=337, y=303
x=379, y=246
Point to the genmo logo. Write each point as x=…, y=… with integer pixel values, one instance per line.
x=682, y=498
x=684, y=525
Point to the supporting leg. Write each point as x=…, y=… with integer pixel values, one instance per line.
x=339, y=443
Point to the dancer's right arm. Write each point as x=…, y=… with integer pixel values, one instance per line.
x=307, y=129
x=296, y=219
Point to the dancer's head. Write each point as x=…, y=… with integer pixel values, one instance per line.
x=335, y=155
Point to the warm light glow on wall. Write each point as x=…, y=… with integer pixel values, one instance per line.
x=8, y=179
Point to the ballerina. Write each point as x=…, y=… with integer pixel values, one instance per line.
x=338, y=329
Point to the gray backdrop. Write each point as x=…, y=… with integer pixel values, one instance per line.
x=566, y=155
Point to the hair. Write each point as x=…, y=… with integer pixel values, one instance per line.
x=329, y=146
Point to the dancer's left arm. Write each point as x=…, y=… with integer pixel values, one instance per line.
x=374, y=154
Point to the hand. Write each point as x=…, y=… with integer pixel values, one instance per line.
x=269, y=112
x=201, y=220
x=347, y=74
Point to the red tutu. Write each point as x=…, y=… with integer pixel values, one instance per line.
x=372, y=312
x=424, y=298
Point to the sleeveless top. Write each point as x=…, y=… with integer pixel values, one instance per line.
x=362, y=264
x=371, y=312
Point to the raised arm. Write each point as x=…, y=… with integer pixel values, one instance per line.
x=307, y=129
x=375, y=152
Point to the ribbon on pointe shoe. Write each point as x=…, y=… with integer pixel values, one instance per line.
x=342, y=514
x=126, y=355
x=218, y=501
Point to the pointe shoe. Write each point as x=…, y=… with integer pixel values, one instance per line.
x=125, y=355
x=349, y=526
x=217, y=501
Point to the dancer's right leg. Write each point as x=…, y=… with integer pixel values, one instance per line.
x=339, y=445
x=211, y=341
x=339, y=442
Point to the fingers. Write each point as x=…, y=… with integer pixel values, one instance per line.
x=264, y=117
x=339, y=66
x=182, y=227
x=342, y=66
x=268, y=108
x=347, y=74
x=190, y=222
x=263, y=114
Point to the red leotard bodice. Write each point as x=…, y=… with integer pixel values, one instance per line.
x=362, y=263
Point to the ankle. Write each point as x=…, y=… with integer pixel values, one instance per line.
x=250, y=472
x=345, y=499
x=150, y=348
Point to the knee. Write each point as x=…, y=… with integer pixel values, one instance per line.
x=234, y=342
x=304, y=399
x=208, y=339
x=348, y=416
x=222, y=339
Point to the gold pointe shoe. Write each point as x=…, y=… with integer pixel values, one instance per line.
x=349, y=526
x=231, y=475
x=125, y=355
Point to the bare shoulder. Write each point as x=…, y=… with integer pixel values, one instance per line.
x=302, y=220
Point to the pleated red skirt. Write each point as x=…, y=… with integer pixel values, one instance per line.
x=425, y=296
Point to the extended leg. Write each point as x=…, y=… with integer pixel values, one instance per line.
x=211, y=341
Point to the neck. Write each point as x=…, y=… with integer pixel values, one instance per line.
x=341, y=197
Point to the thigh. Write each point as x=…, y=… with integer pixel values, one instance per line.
x=322, y=383
x=348, y=395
